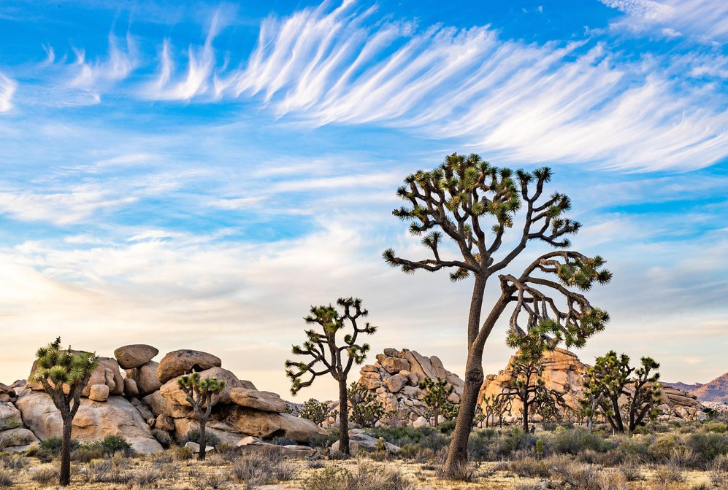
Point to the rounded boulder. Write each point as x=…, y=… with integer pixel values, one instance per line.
x=135, y=355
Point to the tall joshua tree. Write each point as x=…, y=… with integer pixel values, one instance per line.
x=460, y=200
x=64, y=374
x=202, y=394
x=435, y=399
x=328, y=357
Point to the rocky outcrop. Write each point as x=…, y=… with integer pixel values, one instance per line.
x=94, y=420
x=395, y=376
x=148, y=403
x=564, y=372
x=716, y=391
x=360, y=441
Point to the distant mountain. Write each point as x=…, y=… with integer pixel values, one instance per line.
x=715, y=391
x=684, y=386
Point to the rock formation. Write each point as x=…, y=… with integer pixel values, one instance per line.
x=716, y=391
x=395, y=376
x=564, y=372
x=146, y=396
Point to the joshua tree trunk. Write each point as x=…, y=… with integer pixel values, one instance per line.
x=202, y=441
x=343, y=418
x=457, y=454
x=525, y=416
x=65, y=476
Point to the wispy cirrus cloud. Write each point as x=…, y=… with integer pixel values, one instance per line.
x=706, y=20
x=558, y=102
x=7, y=89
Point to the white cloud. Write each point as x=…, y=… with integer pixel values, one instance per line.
x=706, y=20
x=7, y=89
x=514, y=101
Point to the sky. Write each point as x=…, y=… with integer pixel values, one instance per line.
x=197, y=174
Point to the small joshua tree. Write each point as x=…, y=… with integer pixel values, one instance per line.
x=64, y=374
x=435, y=399
x=525, y=383
x=495, y=407
x=611, y=379
x=366, y=409
x=328, y=357
x=464, y=208
x=202, y=394
x=316, y=411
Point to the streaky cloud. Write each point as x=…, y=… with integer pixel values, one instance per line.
x=7, y=90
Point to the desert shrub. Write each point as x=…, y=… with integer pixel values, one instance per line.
x=662, y=447
x=53, y=445
x=708, y=446
x=332, y=435
x=114, y=444
x=12, y=462
x=183, y=453
x=162, y=437
x=87, y=452
x=447, y=426
x=578, y=440
x=669, y=474
x=682, y=457
x=631, y=471
x=109, y=470
x=608, y=458
x=145, y=477
x=329, y=478
x=193, y=435
x=514, y=441
x=207, y=481
x=480, y=444
x=261, y=468
x=6, y=479
x=579, y=475
x=634, y=447
x=528, y=467
x=715, y=426
x=366, y=477
x=427, y=437
x=45, y=476
x=612, y=480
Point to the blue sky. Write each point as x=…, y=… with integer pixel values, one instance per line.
x=197, y=174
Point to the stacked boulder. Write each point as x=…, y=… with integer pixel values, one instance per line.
x=144, y=398
x=241, y=411
x=394, y=379
x=13, y=436
x=564, y=372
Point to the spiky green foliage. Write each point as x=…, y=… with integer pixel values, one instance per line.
x=316, y=411
x=494, y=407
x=526, y=383
x=435, y=399
x=202, y=394
x=63, y=375
x=611, y=379
x=462, y=210
x=322, y=345
x=366, y=409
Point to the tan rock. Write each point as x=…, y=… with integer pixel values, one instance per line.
x=94, y=420
x=115, y=382
x=396, y=383
x=184, y=361
x=130, y=388
x=9, y=416
x=390, y=352
x=394, y=365
x=17, y=437
x=164, y=422
x=99, y=393
x=172, y=392
x=145, y=377
x=259, y=400
x=265, y=424
x=134, y=356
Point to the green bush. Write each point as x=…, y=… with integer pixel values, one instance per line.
x=708, y=446
x=87, y=452
x=663, y=447
x=53, y=445
x=332, y=435
x=515, y=441
x=576, y=441
x=715, y=426
x=114, y=444
x=193, y=435
x=427, y=437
